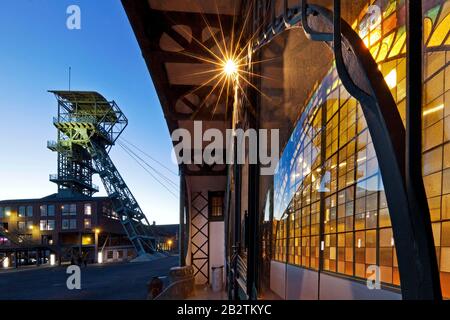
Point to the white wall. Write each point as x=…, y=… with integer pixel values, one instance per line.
x=335, y=288
x=278, y=278
x=216, y=246
x=295, y=283
x=302, y=284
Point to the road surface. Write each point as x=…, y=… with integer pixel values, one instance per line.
x=107, y=281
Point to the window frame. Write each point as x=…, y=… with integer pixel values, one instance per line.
x=211, y=196
x=22, y=212
x=29, y=211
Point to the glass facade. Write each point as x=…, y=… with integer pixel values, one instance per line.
x=436, y=131
x=330, y=210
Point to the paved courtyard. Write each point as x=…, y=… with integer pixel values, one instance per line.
x=114, y=281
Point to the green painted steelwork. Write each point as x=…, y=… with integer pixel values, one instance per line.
x=88, y=126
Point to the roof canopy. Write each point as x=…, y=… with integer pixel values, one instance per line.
x=80, y=96
x=88, y=103
x=173, y=35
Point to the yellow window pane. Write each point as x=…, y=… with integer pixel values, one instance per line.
x=434, y=87
x=440, y=32
x=401, y=90
x=374, y=50
x=386, y=274
x=433, y=136
x=446, y=182
x=386, y=238
x=445, y=284
x=390, y=9
x=447, y=42
x=385, y=46
x=437, y=234
x=371, y=256
x=396, y=277
x=360, y=270
x=447, y=129
x=445, y=259
x=433, y=184
x=434, y=204
x=427, y=26
x=447, y=155
x=433, y=112
x=399, y=42
x=432, y=161
x=384, y=219
x=433, y=62
x=86, y=240
x=445, y=236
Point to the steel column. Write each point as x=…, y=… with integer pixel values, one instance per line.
x=182, y=219
x=420, y=214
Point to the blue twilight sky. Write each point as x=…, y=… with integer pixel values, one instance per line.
x=36, y=50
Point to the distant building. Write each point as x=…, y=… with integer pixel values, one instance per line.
x=167, y=237
x=64, y=225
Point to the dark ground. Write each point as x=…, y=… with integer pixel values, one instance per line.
x=107, y=281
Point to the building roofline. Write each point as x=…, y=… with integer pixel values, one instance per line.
x=54, y=198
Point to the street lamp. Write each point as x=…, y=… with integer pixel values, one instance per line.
x=96, y=254
x=169, y=243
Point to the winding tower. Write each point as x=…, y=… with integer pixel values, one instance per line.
x=88, y=126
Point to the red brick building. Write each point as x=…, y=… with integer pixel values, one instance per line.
x=65, y=225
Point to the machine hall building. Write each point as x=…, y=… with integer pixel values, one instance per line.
x=363, y=182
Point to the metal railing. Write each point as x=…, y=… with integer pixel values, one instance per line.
x=70, y=118
x=54, y=176
x=178, y=290
x=52, y=144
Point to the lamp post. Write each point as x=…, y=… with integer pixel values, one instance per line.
x=96, y=233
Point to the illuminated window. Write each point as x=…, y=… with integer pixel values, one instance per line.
x=21, y=226
x=47, y=225
x=87, y=209
x=87, y=240
x=87, y=223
